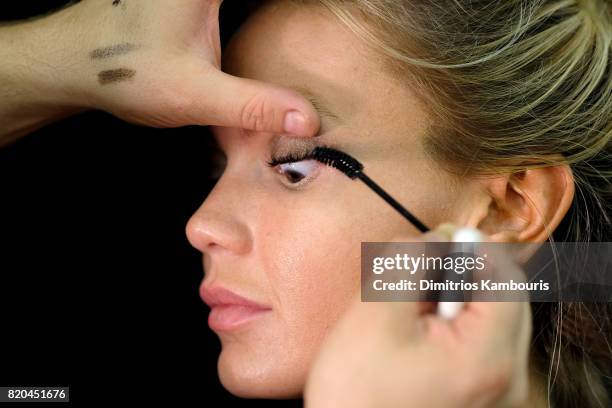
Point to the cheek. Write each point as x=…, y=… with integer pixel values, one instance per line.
x=312, y=266
x=311, y=255
x=307, y=254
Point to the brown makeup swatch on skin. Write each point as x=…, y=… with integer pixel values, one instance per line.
x=115, y=75
x=112, y=51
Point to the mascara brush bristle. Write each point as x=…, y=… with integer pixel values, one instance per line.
x=341, y=161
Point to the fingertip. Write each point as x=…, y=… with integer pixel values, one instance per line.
x=447, y=230
x=297, y=124
x=442, y=233
x=302, y=121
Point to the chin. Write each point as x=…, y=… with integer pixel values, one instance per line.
x=246, y=376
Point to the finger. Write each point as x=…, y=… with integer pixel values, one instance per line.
x=442, y=233
x=430, y=244
x=483, y=317
x=405, y=320
x=488, y=316
x=501, y=331
x=224, y=100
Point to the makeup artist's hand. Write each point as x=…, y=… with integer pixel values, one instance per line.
x=395, y=354
x=151, y=62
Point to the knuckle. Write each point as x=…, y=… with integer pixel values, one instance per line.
x=257, y=114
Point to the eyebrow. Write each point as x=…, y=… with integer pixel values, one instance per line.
x=318, y=105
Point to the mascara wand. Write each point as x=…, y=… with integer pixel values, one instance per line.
x=354, y=169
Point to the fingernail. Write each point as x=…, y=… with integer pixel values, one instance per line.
x=295, y=123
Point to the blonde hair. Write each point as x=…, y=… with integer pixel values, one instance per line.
x=513, y=85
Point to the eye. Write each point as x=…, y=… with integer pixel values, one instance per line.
x=296, y=172
x=297, y=169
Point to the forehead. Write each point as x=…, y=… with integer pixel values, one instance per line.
x=306, y=47
x=301, y=46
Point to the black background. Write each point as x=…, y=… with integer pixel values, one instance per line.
x=98, y=284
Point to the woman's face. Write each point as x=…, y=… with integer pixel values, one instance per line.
x=289, y=237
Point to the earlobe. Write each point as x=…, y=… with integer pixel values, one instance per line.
x=527, y=206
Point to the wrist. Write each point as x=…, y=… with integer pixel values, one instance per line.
x=36, y=74
x=47, y=59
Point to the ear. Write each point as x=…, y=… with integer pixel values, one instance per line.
x=526, y=206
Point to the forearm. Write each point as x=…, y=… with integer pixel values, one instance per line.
x=34, y=70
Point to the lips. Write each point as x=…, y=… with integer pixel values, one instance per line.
x=229, y=310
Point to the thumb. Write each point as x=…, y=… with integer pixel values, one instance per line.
x=226, y=100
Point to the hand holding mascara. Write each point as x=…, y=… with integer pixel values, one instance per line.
x=403, y=349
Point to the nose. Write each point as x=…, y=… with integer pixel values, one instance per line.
x=216, y=227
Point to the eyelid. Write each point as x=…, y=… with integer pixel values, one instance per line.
x=319, y=105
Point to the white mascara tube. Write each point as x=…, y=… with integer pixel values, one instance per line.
x=463, y=239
